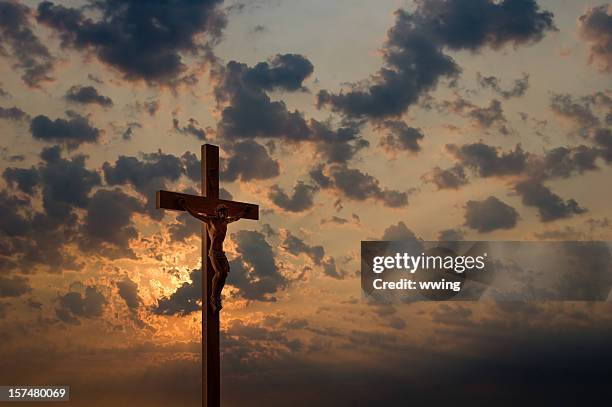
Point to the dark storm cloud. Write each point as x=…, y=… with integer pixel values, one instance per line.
x=13, y=223
x=60, y=196
x=254, y=271
x=413, y=55
x=286, y=72
x=185, y=300
x=518, y=89
x=489, y=161
x=248, y=112
x=146, y=175
x=14, y=286
x=337, y=145
x=108, y=227
x=128, y=290
x=184, y=227
x=13, y=113
x=603, y=138
x=87, y=95
x=399, y=232
x=191, y=129
x=27, y=241
x=489, y=215
x=300, y=200
x=449, y=178
x=249, y=161
x=31, y=238
x=74, y=305
x=18, y=41
x=297, y=246
x=356, y=185
x=595, y=27
x=25, y=179
x=550, y=206
x=144, y=41
x=451, y=235
x=401, y=137
x=563, y=162
x=72, y=131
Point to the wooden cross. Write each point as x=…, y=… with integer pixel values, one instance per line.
x=207, y=203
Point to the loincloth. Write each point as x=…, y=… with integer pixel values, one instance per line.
x=220, y=254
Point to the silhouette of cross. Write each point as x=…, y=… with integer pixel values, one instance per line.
x=207, y=204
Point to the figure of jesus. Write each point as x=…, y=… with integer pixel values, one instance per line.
x=216, y=227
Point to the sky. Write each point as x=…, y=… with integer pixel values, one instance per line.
x=344, y=121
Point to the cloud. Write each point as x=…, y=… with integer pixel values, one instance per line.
x=413, y=55
x=337, y=145
x=15, y=286
x=489, y=161
x=74, y=305
x=603, y=137
x=146, y=175
x=73, y=131
x=399, y=232
x=29, y=237
x=566, y=107
x=254, y=272
x=25, y=179
x=550, y=206
x=249, y=161
x=191, y=129
x=297, y=246
x=247, y=112
x=491, y=116
x=141, y=41
x=250, y=112
x=489, y=215
x=400, y=137
x=59, y=196
x=108, y=228
x=335, y=220
x=32, y=56
x=563, y=162
x=87, y=95
x=13, y=113
x=451, y=235
x=184, y=227
x=449, y=178
x=128, y=290
x=284, y=71
x=185, y=300
x=301, y=199
x=595, y=27
x=356, y=185
x=492, y=82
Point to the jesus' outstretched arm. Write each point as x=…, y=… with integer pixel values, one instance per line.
x=204, y=218
x=241, y=215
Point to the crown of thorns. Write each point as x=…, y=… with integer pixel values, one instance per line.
x=221, y=207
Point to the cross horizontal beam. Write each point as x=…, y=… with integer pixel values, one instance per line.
x=170, y=200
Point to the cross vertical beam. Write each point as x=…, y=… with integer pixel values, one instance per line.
x=211, y=366
x=207, y=204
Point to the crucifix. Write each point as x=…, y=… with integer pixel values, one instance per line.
x=215, y=214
